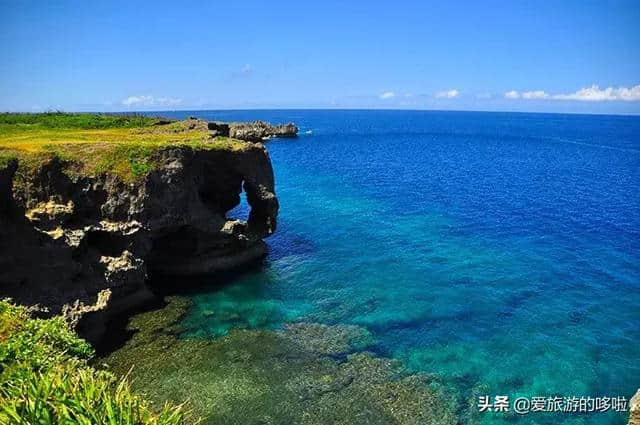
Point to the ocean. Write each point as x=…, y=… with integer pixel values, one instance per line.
x=497, y=252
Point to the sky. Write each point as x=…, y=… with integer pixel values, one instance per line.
x=511, y=55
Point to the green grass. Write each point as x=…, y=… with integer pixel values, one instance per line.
x=45, y=379
x=80, y=121
x=124, y=145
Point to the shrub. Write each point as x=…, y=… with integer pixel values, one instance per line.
x=45, y=378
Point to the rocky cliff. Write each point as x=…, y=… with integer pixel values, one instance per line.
x=255, y=131
x=84, y=245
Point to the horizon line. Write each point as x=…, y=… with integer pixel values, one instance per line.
x=149, y=111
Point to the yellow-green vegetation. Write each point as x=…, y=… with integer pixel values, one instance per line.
x=45, y=378
x=86, y=121
x=95, y=143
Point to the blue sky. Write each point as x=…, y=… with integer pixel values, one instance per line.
x=556, y=56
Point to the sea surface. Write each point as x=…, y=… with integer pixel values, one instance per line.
x=499, y=252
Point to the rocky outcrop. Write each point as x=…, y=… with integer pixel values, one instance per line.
x=256, y=131
x=218, y=129
x=85, y=246
x=634, y=409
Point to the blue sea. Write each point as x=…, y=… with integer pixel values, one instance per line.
x=498, y=252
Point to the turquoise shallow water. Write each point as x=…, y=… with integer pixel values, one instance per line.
x=499, y=252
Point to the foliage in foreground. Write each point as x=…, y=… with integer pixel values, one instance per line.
x=45, y=378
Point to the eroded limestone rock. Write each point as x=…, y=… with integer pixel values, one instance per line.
x=50, y=212
x=66, y=238
x=259, y=130
x=256, y=131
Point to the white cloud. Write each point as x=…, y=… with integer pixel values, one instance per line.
x=137, y=100
x=387, y=95
x=596, y=94
x=536, y=94
x=587, y=94
x=151, y=101
x=449, y=94
x=168, y=101
x=512, y=95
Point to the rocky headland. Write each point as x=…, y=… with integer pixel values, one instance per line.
x=91, y=207
x=84, y=223
x=255, y=131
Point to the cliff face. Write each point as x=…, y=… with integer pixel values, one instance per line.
x=84, y=246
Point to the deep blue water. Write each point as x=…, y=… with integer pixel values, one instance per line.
x=498, y=251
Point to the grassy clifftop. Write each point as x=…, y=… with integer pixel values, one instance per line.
x=95, y=143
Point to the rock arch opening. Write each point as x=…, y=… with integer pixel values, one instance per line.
x=242, y=210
